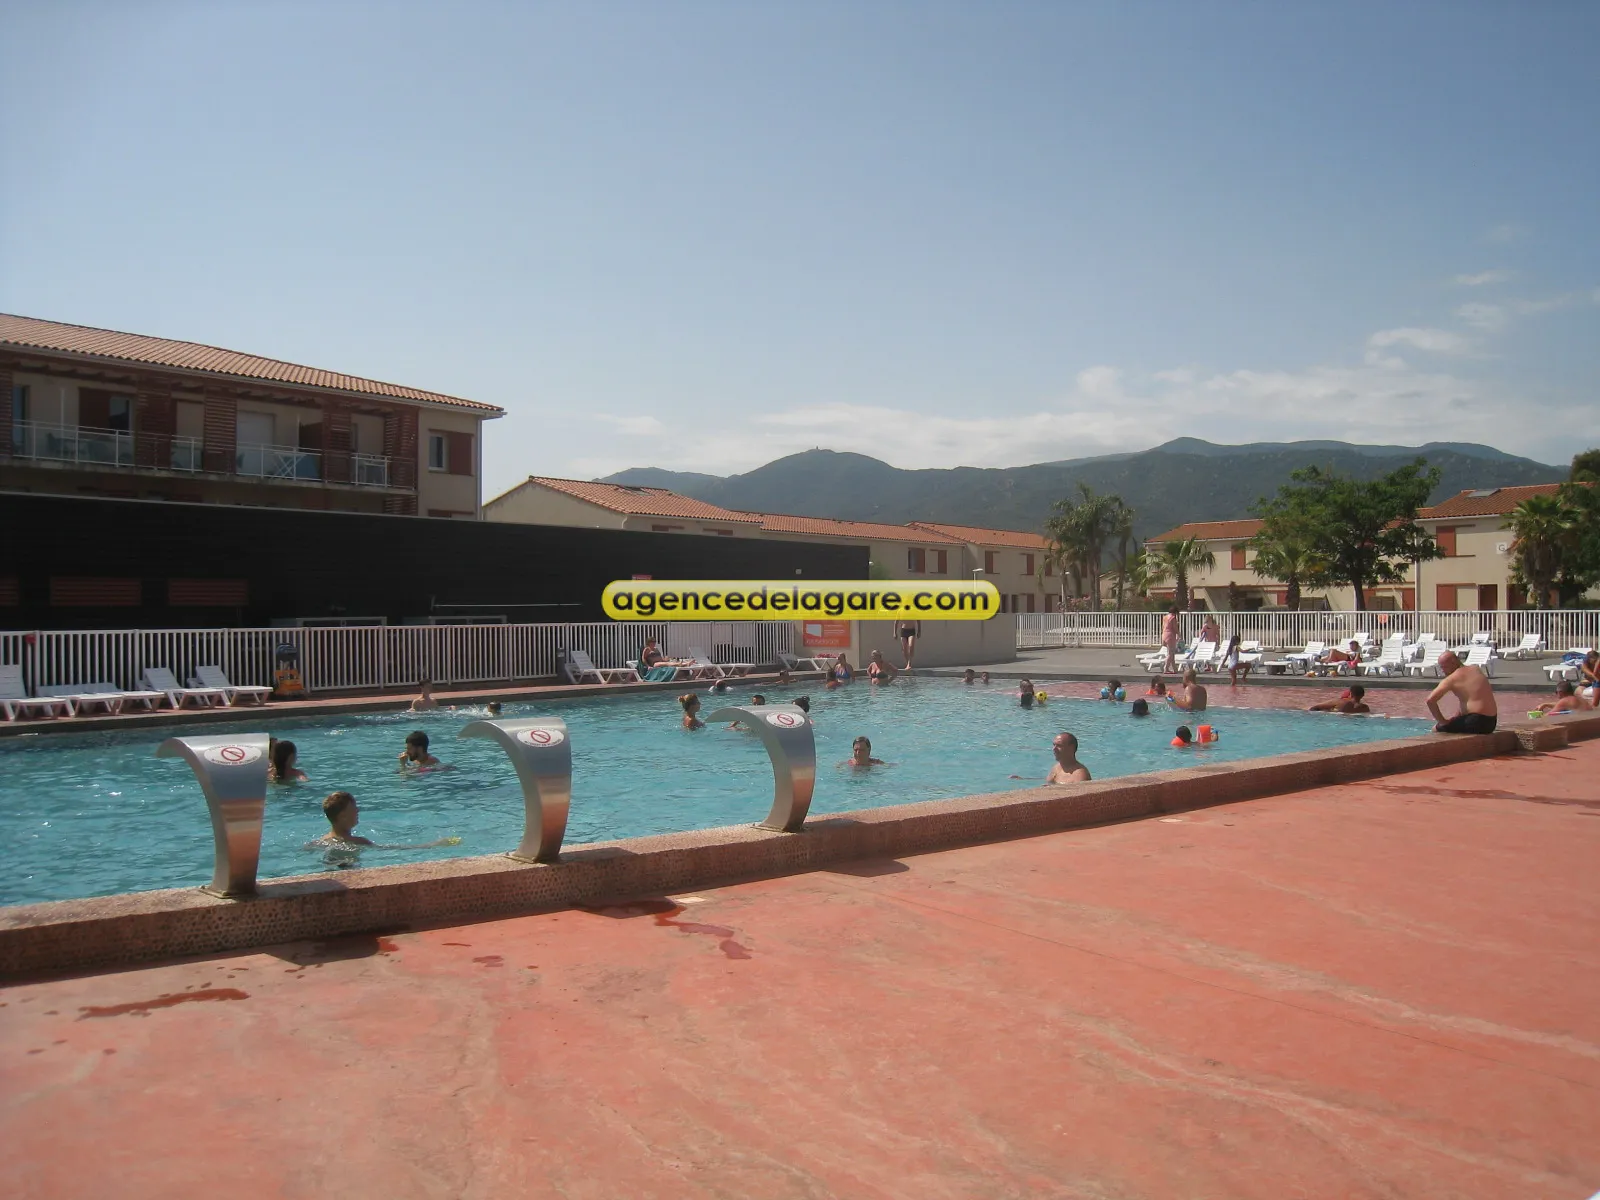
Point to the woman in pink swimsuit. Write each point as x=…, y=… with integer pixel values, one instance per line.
x=1169, y=637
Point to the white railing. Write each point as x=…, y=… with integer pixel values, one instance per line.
x=373, y=656
x=1280, y=629
x=81, y=445
x=369, y=470
x=276, y=462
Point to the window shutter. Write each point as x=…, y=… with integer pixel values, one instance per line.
x=458, y=452
x=208, y=593
x=70, y=591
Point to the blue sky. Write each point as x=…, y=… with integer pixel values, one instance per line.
x=702, y=235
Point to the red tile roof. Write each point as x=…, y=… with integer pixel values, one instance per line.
x=865, y=530
x=1486, y=502
x=30, y=333
x=978, y=536
x=643, y=501
x=1211, y=531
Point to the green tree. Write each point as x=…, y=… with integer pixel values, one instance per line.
x=1364, y=531
x=1177, y=561
x=1580, y=498
x=1079, y=530
x=1543, y=534
x=1586, y=467
x=1288, y=559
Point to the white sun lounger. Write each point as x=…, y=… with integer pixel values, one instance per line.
x=14, y=698
x=705, y=662
x=1531, y=647
x=1567, y=668
x=213, y=677
x=582, y=667
x=1390, y=661
x=819, y=662
x=164, y=682
x=104, y=695
x=1429, y=660
x=1155, y=661
x=1482, y=657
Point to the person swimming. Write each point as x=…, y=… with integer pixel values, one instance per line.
x=968, y=676
x=1184, y=737
x=415, y=756
x=1139, y=708
x=1113, y=691
x=861, y=755
x=803, y=703
x=1025, y=695
x=281, y=767
x=984, y=676
x=691, y=711
x=1157, y=688
x=425, y=701
x=494, y=708
x=343, y=815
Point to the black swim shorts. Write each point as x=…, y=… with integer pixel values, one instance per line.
x=1468, y=723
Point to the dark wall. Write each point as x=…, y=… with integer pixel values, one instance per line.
x=311, y=564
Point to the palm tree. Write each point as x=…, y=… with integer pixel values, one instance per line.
x=1543, y=532
x=1175, y=561
x=1289, y=563
x=1079, y=531
x=1122, y=530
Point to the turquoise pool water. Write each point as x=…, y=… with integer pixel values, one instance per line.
x=91, y=815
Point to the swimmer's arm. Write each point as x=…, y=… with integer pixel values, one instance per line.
x=445, y=841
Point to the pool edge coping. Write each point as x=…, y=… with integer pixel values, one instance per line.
x=111, y=932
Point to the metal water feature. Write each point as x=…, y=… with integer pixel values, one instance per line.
x=233, y=775
x=541, y=751
x=786, y=731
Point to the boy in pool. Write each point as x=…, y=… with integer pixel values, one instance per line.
x=343, y=816
x=1353, y=701
x=969, y=675
x=415, y=756
x=425, y=701
x=1113, y=691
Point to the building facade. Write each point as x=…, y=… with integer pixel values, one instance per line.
x=1472, y=528
x=94, y=412
x=1014, y=562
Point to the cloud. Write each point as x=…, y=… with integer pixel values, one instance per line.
x=1481, y=278
x=1489, y=317
x=1532, y=308
x=633, y=426
x=1504, y=233
x=1435, y=341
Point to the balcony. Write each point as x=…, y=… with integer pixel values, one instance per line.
x=86, y=447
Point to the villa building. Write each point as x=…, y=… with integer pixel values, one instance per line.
x=1013, y=562
x=1475, y=573
x=94, y=412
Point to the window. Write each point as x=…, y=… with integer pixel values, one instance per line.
x=1027, y=567
x=719, y=532
x=665, y=528
x=19, y=402
x=208, y=593
x=991, y=560
x=917, y=560
x=100, y=409
x=1049, y=569
x=1016, y=607
x=82, y=592
x=1445, y=535
x=1030, y=601
x=438, y=452
x=941, y=562
x=1002, y=602
x=450, y=452
x=1238, y=563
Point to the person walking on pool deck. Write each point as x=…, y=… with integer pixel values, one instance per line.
x=1169, y=638
x=908, y=632
x=1194, y=694
x=1067, y=768
x=1470, y=686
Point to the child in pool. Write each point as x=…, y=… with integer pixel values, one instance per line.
x=281, y=767
x=1113, y=691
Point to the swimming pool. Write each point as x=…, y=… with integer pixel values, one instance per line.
x=96, y=814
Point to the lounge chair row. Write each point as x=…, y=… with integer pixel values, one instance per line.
x=700, y=666
x=209, y=687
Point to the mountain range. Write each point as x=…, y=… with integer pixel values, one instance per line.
x=1182, y=480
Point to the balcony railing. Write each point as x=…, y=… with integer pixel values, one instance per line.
x=83, y=446
x=104, y=447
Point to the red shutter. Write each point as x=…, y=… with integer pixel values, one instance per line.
x=208, y=593
x=7, y=416
x=94, y=408
x=1445, y=535
x=1238, y=563
x=221, y=434
x=400, y=445
x=335, y=442
x=1444, y=597
x=88, y=592
x=10, y=592
x=458, y=453
x=155, y=420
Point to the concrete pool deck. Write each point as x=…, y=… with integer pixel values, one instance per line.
x=1379, y=989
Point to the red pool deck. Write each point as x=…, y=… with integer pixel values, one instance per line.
x=1385, y=989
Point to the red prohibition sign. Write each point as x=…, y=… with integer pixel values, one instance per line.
x=788, y=719
x=232, y=754
x=539, y=737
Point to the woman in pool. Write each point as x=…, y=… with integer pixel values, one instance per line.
x=280, y=763
x=691, y=711
x=879, y=671
x=841, y=669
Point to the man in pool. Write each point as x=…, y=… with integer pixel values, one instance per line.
x=969, y=676
x=343, y=816
x=425, y=701
x=1353, y=701
x=1567, y=700
x=415, y=756
x=1194, y=694
x=1477, y=711
x=861, y=755
x=1067, y=768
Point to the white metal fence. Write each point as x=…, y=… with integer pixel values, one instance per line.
x=1279, y=629
x=374, y=656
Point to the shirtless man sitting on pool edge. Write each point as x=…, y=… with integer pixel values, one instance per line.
x=1470, y=686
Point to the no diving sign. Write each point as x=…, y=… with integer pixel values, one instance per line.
x=541, y=738
x=785, y=720
x=231, y=756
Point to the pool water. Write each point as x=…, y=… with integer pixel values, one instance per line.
x=96, y=814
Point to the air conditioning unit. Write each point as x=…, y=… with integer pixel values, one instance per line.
x=1501, y=547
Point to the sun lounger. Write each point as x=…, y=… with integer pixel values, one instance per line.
x=1390, y=660
x=1156, y=661
x=819, y=662
x=213, y=677
x=704, y=661
x=86, y=697
x=1567, y=668
x=14, y=698
x=1531, y=647
x=1429, y=660
x=582, y=667
x=1312, y=652
x=1482, y=657
x=165, y=683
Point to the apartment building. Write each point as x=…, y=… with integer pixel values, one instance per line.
x=1013, y=562
x=1472, y=528
x=96, y=412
